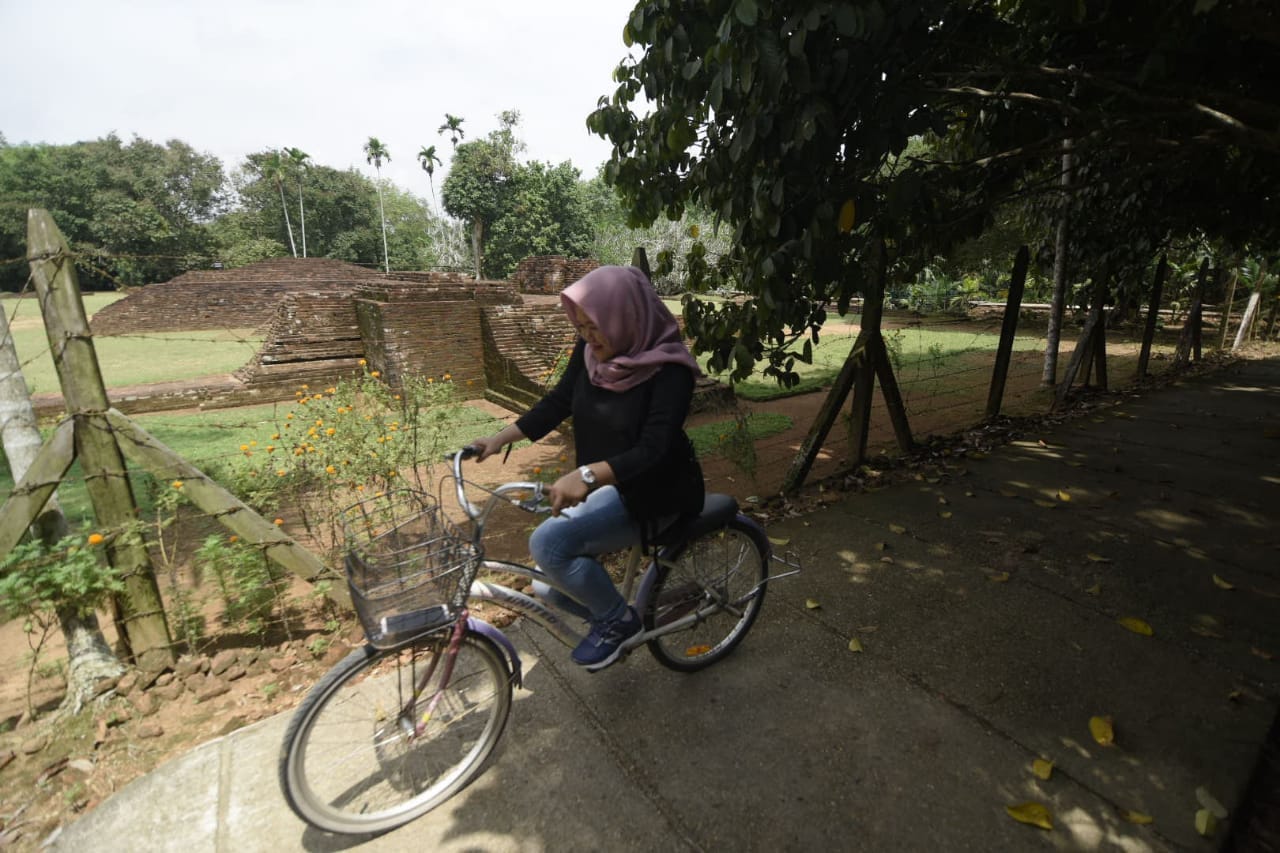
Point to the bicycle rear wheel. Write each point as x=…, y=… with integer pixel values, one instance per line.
x=359, y=755
x=717, y=584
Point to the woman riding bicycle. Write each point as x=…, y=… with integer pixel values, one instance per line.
x=628, y=386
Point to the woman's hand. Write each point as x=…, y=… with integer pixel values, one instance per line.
x=569, y=490
x=487, y=446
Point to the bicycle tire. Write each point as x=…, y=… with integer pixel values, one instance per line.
x=726, y=565
x=351, y=764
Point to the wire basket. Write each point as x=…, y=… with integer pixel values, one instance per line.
x=405, y=561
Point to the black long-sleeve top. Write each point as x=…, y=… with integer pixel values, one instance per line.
x=639, y=432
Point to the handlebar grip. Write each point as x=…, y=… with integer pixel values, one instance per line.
x=469, y=451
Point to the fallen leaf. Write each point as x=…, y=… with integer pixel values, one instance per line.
x=855, y=645
x=1210, y=802
x=897, y=528
x=944, y=515
x=998, y=577
x=1103, y=730
x=812, y=603
x=1034, y=814
x=943, y=500
x=886, y=559
x=780, y=542
x=882, y=546
x=1096, y=558
x=1135, y=817
x=1221, y=584
x=1136, y=625
x=1041, y=442
x=1042, y=768
x=968, y=494
x=1063, y=496
x=1206, y=823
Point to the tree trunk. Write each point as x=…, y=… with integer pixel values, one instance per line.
x=1224, y=316
x=477, y=241
x=89, y=658
x=1053, y=334
x=284, y=205
x=1153, y=314
x=1250, y=314
x=382, y=218
x=302, y=213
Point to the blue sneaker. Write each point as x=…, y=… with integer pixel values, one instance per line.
x=607, y=641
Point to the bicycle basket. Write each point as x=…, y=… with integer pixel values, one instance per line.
x=404, y=559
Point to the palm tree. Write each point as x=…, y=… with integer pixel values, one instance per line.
x=375, y=152
x=427, y=157
x=298, y=159
x=272, y=168
x=453, y=126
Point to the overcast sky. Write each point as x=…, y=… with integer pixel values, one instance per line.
x=231, y=77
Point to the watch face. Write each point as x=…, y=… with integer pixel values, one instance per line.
x=588, y=476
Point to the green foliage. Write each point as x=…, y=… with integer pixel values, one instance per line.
x=249, y=584
x=134, y=212
x=543, y=212
x=735, y=438
x=36, y=580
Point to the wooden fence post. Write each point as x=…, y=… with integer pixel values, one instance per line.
x=1153, y=314
x=1009, y=328
x=139, y=610
x=1189, y=340
x=1086, y=348
x=1224, y=316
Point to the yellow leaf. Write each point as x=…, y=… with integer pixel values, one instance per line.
x=695, y=651
x=1097, y=558
x=1103, y=730
x=998, y=577
x=882, y=546
x=1136, y=817
x=1136, y=625
x=855, y=645
x=1063, y=496
x=944, y=514
x=1221, y=584
x=780, y=542
x=1042, y=768
x=897, y=528
x=1096, y=589
x=847, y=215
x=1206, y=823
x=943, y=500
x=886, y=559
x=812, y=604
x=1034, y=814
x=1210, y=802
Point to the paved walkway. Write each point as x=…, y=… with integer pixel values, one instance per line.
x=987, y=603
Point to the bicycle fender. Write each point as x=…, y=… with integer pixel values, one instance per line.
x=484, y=629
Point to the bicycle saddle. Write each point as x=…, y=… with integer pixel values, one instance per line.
x=717, y=510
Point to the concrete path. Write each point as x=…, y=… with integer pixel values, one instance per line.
x=987, y=600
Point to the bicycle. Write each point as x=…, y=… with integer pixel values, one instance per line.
x=408, y=720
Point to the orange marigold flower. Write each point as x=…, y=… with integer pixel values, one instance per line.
x=281, y=472
x=253, y=442
x=537, y=469
x=233, y=538
x=96, y=538
x=304, y=386
x=289, y=416
x=278, y=522
x=375, y=373
x=244, y=447
x=430, y=380
x=329, y=469
x=363, y=362
x=177, y=484
x=330, y=431
x=448, y=376
x=275, y=436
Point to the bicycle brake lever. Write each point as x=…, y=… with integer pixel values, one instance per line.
x=506, y=454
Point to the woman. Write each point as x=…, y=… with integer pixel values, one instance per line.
x=627, y=386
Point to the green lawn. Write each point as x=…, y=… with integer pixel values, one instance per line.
x=129, y=359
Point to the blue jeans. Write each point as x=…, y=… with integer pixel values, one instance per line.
x=566, y=546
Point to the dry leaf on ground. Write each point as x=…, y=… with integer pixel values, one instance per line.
x=1034, y=814
x=1103, y=730
x=1136, y=625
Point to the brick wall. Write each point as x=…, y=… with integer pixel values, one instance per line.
x=550, y=273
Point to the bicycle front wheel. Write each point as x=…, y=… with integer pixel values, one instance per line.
x=379, y=742
x=713, y=586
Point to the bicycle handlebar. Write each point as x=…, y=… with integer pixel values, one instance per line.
x=536, y=503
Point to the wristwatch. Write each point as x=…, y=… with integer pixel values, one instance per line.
x=588, y=476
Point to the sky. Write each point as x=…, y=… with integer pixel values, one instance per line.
x=231, y=77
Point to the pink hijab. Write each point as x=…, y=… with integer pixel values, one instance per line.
x=642, y=332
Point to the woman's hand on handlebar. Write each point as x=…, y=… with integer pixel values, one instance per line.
x=486, y=447
x=569, y=490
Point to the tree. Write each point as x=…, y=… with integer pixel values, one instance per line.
x=452, y=126
x=475, y=188
x=275, y=169
x=375, y=152
x=543, y=211
x=136, y=212
x=427, y=157
x=301, y=162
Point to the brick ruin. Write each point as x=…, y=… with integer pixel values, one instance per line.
x=320, y=317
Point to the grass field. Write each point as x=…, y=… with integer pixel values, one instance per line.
x=129, y=359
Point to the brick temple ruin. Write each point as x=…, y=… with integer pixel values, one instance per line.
x=319, y=317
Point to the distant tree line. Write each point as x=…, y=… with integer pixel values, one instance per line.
x=138, y=212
